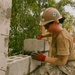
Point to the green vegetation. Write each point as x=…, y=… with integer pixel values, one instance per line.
x=25, y=18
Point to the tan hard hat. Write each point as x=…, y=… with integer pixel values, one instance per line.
x=50, y=14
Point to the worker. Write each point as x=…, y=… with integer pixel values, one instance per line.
x=62, y=61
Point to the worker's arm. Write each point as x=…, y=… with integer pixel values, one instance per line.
x=43, y=35
x=61, y=60
x=46, y=35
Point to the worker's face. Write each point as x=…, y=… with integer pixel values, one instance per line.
x=74, y=39
x=49, y=26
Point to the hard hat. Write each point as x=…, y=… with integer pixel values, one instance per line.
x=50, y=14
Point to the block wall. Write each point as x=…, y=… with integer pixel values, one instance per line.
x=5, y=14
x=24, y=64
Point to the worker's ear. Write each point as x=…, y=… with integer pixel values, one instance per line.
x=55, y=22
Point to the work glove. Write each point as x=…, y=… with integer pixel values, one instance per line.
x=40, y=37
x=38, y=56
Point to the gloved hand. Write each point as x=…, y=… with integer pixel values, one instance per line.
x=38, y=56
x=40, y=37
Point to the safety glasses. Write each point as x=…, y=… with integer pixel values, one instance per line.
x=48, y=24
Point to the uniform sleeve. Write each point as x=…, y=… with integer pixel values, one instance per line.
x=63, y=46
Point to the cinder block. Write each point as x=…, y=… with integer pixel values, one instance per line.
x=34, y=64
x=18, y=65
x=41, y=70
x=46, y=53
x=47, y=45
x=21, y=65
x=35, y=45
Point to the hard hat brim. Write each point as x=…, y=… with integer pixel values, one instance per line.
x=44, y=23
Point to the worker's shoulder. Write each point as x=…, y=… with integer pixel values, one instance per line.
x=65, y=34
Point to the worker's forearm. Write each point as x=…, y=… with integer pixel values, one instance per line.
x=46, y=35
x=55, y=61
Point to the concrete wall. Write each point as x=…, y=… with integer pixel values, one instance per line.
x=5, y=14
x=24, y=64
x=21, y=64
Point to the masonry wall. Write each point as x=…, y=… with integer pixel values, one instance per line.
x=20, y=64
x=24, y=64
x=5, y=14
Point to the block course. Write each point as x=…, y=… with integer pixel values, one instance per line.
x=24, y=64
x=21, y=65
x=36, y=45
